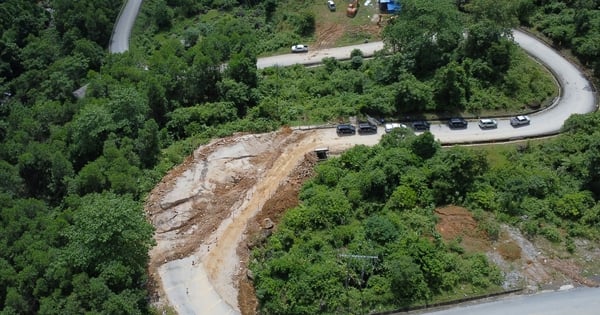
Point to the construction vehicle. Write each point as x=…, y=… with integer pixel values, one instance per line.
x=352, y=9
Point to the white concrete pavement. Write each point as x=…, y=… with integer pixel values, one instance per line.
x=189, y=290
x=577, y=97
x=577, y=94
x=315, y=57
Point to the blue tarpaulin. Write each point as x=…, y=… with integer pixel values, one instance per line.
x=389, y=6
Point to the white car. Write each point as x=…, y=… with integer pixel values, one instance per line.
x=488, y=123
x=390, y=126
x=299, y=48
x=519, y=121
x=331, y=5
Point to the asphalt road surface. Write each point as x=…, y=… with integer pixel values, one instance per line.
x=577, y=94
x=119, y=41
x=580, y=301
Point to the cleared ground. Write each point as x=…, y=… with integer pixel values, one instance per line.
x=203, y=207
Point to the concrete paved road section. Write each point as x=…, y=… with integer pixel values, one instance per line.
x=577, y=96
x=119, y=40
x=580, y=301
x=189, y=290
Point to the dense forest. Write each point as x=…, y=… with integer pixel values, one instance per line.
x=75, y=172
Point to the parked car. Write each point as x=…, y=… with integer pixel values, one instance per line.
x=299, y=48
x=366, y=128
x=519, y=121
x=420, y=125
x=331, y=5
x=457, y=122
x=390, y=126
x=345, y=129
x=488, y=123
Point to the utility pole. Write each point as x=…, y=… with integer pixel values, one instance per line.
x=348, y=258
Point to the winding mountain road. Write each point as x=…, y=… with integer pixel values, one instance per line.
x=577, y=96
x=577, y=93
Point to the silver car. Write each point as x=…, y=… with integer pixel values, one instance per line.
x=299, y=48
x=519, y=121
x=390, y=126
x=488, y=123
x=331, y=5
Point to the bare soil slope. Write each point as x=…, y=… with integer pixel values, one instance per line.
x=528, y=264
x=201, y=209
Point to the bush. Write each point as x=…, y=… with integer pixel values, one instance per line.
x=551, y=233
x=491, y=228
x=303, y=23
x=570, y=245
x=380, y=229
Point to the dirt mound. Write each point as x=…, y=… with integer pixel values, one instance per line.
x=509, y=250
x=457, y=223
x=523, y=262
x=327, y=34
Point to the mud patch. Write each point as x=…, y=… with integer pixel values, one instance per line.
x=286, y=197
x=457, y=224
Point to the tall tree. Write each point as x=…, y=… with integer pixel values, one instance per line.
x=451, y=87
x=110, y=238
x=427, y=31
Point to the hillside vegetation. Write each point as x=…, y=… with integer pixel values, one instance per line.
x=364, y=239
x=75, y=172
x=573, y=25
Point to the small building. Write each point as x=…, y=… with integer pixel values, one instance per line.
x=322, y=153
x=389, y=6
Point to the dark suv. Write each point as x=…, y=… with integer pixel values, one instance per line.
x=366, y=128
x=345, y=129
x=420, y=125
x=457, y=122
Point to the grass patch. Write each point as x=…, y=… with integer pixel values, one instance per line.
x=497, y=153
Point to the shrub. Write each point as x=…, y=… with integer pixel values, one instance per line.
x=551, y=233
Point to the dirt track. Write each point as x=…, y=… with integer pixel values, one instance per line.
x=202, y=207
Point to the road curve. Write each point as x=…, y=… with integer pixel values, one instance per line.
x=119, y=40
x=577, y=93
